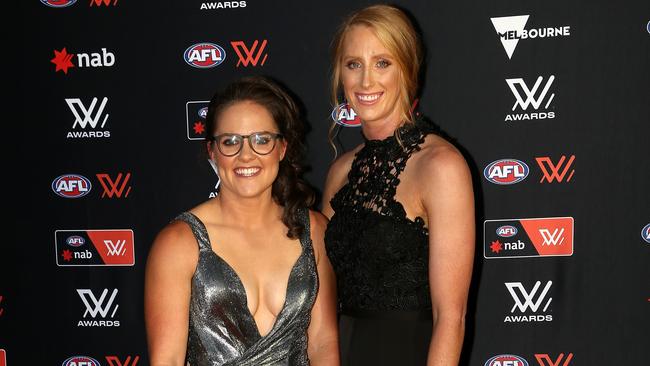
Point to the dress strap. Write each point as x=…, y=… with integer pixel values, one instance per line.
x=198, y=229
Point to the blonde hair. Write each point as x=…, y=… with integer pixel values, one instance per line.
x=396, y=32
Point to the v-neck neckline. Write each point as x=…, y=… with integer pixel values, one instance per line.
x=240, y=283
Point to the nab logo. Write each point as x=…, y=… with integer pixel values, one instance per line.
x=535, y=96
x=118, y=187
x=103, y=2
x=345, y=116
x=195, y=114
x=57, y=4
x=63, y=60
x=204, y=55
x=115, y=361
x=113, y=247
x=527, y=302
x=556, y=172
x=506, y=171
x=81, y=361
x=71, y=186
x=506, y=360
x=506, y=231
x=250, y=55
x=545, y=360
x=645, y=233
x=98, y=307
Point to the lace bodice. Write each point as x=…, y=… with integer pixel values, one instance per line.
x=379, y=255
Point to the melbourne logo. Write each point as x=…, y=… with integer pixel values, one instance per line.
x=115, y=188
x=63, y=60
x=204, y=55
x=81, y=360
x=104, y=247
x=250, y=55
x=511, y=29
x=506, y=360
x=213, y=5
x=102, y=308
x=645, y=233
x=526, y=238
x=71, y=186
x=195, y=114
x=345, y=116
x=58, y=3
x=88, y=117
x=529, y=303
x=506, y=171
x=128, y=361
x=560, y=171
x=545, y=360
x=537, y=97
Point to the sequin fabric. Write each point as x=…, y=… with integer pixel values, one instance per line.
x=222, y=331
x=379, y=255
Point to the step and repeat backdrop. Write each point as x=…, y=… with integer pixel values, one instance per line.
x=549, y=101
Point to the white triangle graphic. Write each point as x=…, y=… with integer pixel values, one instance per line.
x=504, y=25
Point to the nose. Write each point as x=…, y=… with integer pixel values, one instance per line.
x=246, y=153
x=367, y=78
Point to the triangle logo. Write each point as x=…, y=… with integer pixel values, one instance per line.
x=504, y=25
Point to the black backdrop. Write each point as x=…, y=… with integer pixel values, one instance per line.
x=572, y=291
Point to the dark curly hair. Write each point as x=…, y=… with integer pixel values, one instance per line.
x=289, y=189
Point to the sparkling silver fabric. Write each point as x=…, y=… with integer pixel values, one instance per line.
x=222, y=331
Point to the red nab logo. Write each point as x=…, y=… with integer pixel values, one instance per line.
x=117, y=187
x=545, y=360
x=552, y=172
x=250, y=55
x=345, y=116
x=107, y=248
x=204, y=55
x=115, y=361
x=506, y=171
x=81, y=361
x=506, y=360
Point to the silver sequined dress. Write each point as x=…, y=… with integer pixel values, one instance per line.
x=222, y=331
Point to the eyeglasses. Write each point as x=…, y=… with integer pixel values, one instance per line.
x=230, y=144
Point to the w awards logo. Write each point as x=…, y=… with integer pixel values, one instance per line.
x=100, y=310
x=560, y=171
x=89, y=118
x=544, y=359
x=254, y=55
x=94, y=247
x=115, y=186
x=530, y=305
x=531, y=103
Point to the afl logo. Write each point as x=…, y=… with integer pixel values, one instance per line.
x=345, y=116
x=71, y=186
x=58, y=3
x=645, y=233
x=506, y=231
x=503, y=360
x=80, y=360
x=75, y=241
x=203, y=112
x=204, y=55
x=506, y=171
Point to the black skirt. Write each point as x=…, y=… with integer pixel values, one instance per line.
x=385, y=338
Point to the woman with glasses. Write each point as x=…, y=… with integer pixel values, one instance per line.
x=243, y=279
x=401, y=208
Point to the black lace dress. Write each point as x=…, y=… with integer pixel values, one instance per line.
x=381, y=258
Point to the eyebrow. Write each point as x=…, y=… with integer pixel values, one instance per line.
x=381, y=55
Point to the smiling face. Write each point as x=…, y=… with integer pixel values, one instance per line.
x=370, y=77
x=247, y=174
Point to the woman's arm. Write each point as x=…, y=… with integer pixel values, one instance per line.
x=448, y=199
x=323, y=346
x=170, y=266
